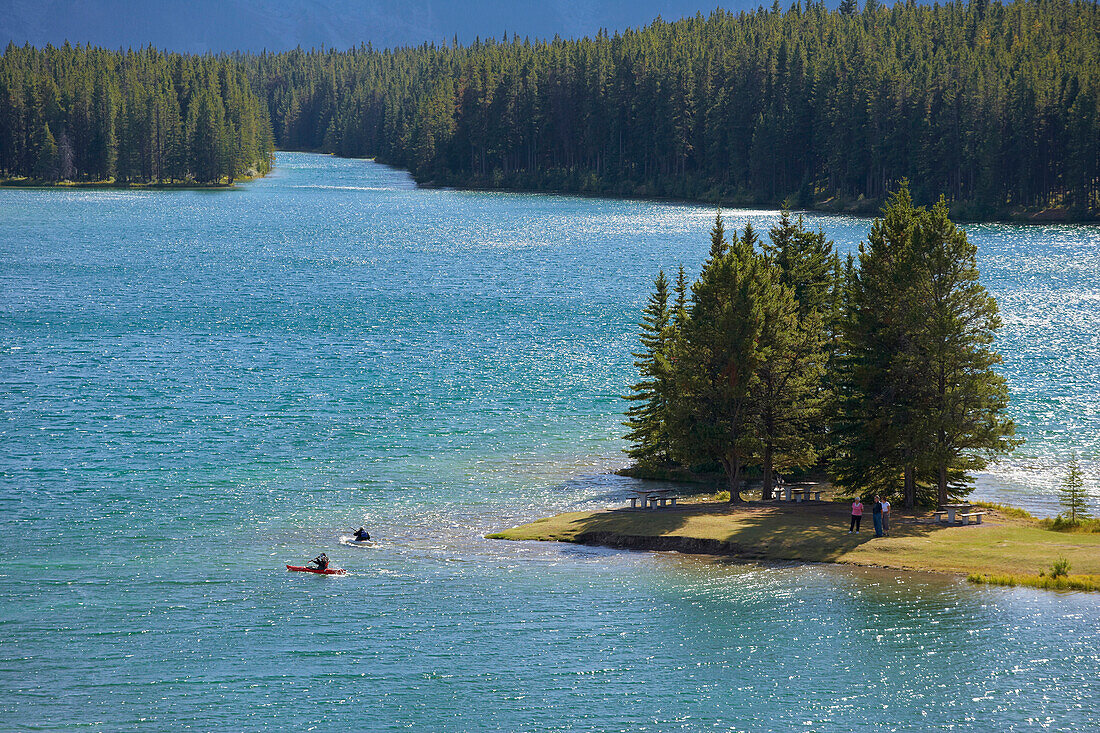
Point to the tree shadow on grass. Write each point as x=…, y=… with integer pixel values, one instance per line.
x=805, y=531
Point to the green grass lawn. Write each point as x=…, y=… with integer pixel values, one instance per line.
x=1005, y=544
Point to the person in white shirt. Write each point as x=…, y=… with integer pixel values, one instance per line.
x=885, y=516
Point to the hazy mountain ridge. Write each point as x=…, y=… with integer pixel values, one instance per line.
x=253, y=25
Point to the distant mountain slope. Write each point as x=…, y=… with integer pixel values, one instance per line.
x=251, y=25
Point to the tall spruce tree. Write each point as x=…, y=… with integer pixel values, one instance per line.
x=718, y=244
x=679, y=305
x=47, y=164
x=793, y=346
x=882, y=391
x=954, y=322
x=647, y=416
x=920, y=400
x=716, y=357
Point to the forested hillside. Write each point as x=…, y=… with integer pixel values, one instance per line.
x=996, y=106
x=94, y=115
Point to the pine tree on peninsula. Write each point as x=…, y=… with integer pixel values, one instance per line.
x=718, y=244
x=1072, y=494
x=716, y=355
x=790, y=388
x=882, y=391
x=647, y=416
x=956, y=322
x=679, y=305
x=920, y=401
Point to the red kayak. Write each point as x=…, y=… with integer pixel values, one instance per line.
x=326, y=571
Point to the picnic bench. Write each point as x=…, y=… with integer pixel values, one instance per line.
x=652, y=498
x=787, y=492
x=958, y=514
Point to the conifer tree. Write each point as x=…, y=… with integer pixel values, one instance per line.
x=783, y=384
x=679, y=306
x=746, y=245
x=882, y=390
x=716, y=357
x=1072, y=494
x=647, y=416
x=920, y=400
x=954, y=321
x=47, y=163
x=718, y=244
x=103, y=148
x=790, y=385
x=207, y=137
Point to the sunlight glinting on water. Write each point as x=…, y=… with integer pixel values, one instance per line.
x=198, y=388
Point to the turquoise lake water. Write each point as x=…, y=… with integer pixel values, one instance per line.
x=197, y=388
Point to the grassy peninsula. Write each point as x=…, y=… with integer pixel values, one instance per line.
x=1008, y=543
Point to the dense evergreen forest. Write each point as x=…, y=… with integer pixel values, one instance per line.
x=781, y=357
x=995, y=106
x=85, y=114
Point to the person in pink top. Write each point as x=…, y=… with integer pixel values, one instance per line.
x=857, y=514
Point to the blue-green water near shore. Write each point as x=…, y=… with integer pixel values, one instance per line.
x=199, y=387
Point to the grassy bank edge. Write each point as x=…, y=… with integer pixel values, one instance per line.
x=1006, y=549
x=1066, y=582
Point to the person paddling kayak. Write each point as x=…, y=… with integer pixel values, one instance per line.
x=361, y=535
x=321, y=561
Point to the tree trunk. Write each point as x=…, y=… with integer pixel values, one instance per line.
x=942, y=498
x=909, y=488
x=769, y=473
x=732, y=465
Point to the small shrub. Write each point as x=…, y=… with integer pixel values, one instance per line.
x=1060, y=568
x=992, y=579
x=1061, y=523
x=722, y=496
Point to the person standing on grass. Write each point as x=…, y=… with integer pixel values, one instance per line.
x=857, y=514
x=876, y=515
x=885, y=516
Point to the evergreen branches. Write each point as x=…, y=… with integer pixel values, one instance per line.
x=85, y=114
x=995, y=105
x=1072, y=495
x=897, y=346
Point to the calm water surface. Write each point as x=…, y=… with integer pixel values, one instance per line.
x=197, y=388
